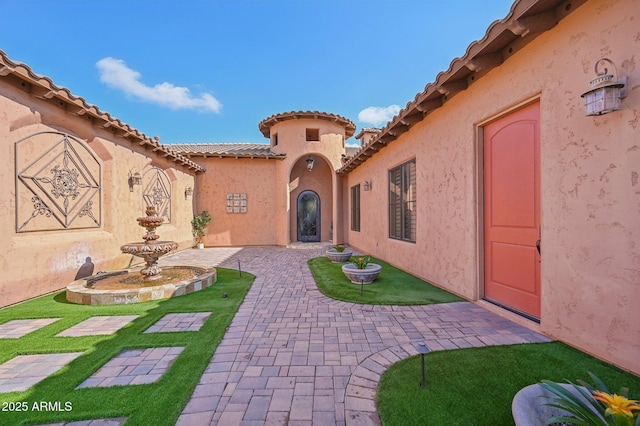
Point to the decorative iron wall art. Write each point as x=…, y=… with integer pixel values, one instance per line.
x=157, y=192
x=58, y=183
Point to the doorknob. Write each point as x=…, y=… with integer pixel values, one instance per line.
x=538, y=247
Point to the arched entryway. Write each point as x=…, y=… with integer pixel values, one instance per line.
x=308, y=223
x=311, y=200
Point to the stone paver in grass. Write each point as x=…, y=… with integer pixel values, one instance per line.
x=134, y=367
x=20, y=373
x=192, y=321
x=15, y=329
x=118, y=421
x=98, y=325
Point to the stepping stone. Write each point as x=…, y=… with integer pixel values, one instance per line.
x=98, y=325
x=20, y=373
x=134, y=367
x=179, y=322
x=15, y=329
x=119, y=421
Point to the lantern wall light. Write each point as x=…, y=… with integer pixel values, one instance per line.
x=309, y=161
x=368, y=185
x=606, y=89
x=188, y=192
x=135, y=178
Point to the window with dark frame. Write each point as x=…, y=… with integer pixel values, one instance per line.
x=402, y=202
x=313, y=135
x=355, y=208
x=275, y=139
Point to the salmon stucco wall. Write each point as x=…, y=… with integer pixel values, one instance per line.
x=39, y=254
x=253, y=177
x=590, y=196
x=327, y=153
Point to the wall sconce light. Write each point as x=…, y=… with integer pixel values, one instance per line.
x=368, y=185
x=606, y=90
x=188, y=192
x=309, y=163
x=135, y=178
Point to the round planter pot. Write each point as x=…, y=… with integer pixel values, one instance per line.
x=529, y=405
x=361, y=276
x=339, y=257
x=200, y=246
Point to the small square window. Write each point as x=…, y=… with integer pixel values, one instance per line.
x=237, y=203
x=313, y=135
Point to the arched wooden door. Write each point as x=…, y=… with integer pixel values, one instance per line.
x=308, y=216
x=512, y=211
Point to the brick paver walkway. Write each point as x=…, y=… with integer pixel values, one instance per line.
x=98, y=326
x=293, y=356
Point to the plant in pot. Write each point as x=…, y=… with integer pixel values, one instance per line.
x=198, y=227
x=361, y=270
x=550, y=403
x=339, y=253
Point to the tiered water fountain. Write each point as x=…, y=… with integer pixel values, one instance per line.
x=151, y=250
x=151, y=282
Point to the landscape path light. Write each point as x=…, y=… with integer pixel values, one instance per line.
x=422, y=350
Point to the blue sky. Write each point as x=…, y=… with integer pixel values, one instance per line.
x=209, y=71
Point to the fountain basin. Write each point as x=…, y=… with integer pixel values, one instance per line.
x=129, y=286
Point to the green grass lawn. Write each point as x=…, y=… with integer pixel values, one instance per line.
x=158, y=403
x=476, y=385
x=393, y=286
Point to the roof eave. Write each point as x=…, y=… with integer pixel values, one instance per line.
x=22, y=76
x=266, y=124
x=526, y=20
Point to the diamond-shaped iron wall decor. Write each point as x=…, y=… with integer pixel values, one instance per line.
x=58, y=183
x=157, y=192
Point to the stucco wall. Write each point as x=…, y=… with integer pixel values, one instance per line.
x=328, y=153
x=589, y=174
x=47, y=258
x=254, y=177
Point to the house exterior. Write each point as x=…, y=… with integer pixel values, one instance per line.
x=492, y=182
x=502, y=156
x=74, y=183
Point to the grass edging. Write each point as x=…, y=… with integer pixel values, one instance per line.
x=476, y=385
x=393, y=286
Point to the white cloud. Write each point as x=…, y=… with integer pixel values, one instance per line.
x=378, y=115
x=115, y=73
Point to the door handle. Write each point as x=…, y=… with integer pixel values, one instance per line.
x=538, y=247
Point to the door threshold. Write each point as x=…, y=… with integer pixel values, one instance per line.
x=514, y=310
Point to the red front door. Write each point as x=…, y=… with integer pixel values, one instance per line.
x=512, y=210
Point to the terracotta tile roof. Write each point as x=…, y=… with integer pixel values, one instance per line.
x=237, y=150
x=525, y=21
x=367, y=130
x=351, y=150
x=23, y=77
x=265, y=125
